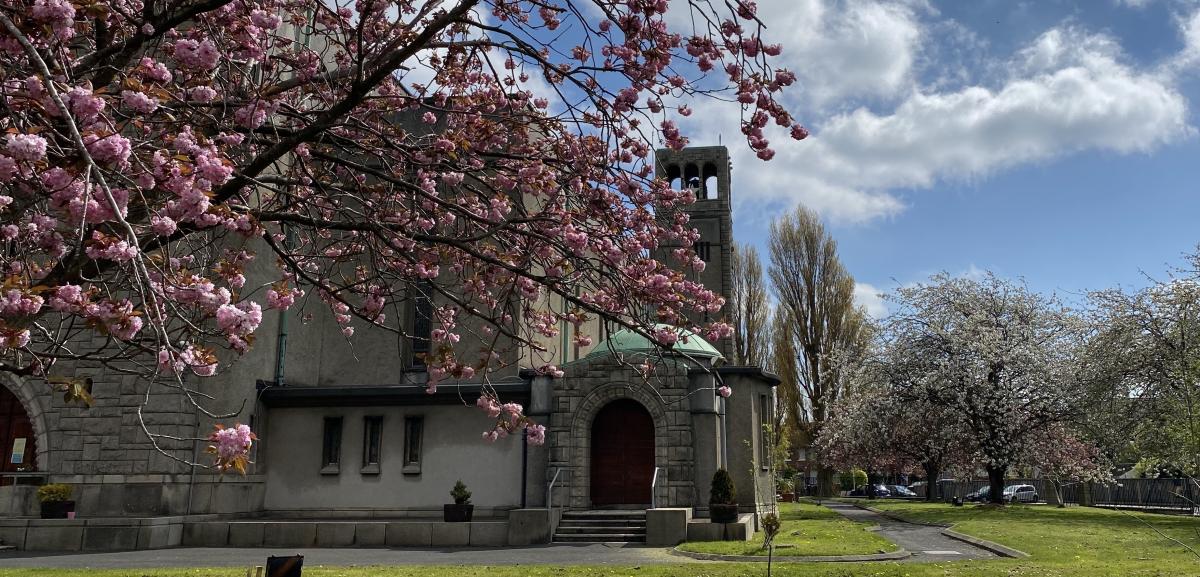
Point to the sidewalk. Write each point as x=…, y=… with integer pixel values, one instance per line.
x=926, y=543
x=557, y=554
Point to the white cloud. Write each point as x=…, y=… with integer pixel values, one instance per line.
x=845, y=48
x=1189, y=56
x=871, y=299
x=1067, y=92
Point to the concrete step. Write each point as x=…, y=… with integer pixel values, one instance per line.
x=604, y=522
x=604, y=530
x=605, y=515
x=598, y=538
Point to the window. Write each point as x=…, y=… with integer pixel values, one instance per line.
x=764, y=446
x=422, y=307
x=331, y=446
x=372, y=437
x=413, y=429
x=704, y=250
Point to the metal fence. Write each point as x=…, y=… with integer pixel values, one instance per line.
x=1176, y=495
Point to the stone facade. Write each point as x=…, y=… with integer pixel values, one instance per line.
x=705, y=169
x=286, y=387
x=590, y=384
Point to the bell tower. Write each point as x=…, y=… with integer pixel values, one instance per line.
x=704, y=169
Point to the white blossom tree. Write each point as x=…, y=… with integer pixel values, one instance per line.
x=998, y=355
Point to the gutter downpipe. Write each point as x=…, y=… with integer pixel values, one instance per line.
x=724, y=439
x=195, y=459
x=524, y=465
x=281, y=343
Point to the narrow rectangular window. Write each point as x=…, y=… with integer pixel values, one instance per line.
x=413, y=431
x=372, y=439
x=764, y=417
x=704, y=250
x=422, y=307
x=331, y=446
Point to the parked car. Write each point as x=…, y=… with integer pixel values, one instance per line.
x=881, y=491
x=1021, y=494
x=980, y=494
x=901, y=491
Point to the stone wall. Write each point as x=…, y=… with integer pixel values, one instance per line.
x=590, y=384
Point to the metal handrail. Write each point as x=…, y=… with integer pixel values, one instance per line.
x=653, y=486
x=550, y=489
x=550, y=502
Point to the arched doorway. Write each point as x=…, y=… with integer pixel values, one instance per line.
x=16, y=437
x=622, y=454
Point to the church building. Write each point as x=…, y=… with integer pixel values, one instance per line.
x=352, y=451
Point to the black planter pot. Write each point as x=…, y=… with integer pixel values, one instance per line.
x=723, y=513
x=57, y=509
x=457, y=513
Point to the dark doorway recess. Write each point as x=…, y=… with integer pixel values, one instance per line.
x=622, y=454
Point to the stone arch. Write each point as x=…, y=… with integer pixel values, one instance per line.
x=712, y=183
x=675, y=177
x=692, y=180
x=581, y=435
x=37, y=417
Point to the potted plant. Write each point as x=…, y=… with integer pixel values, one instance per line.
x=56, y=500
x=461, y=510
x=787, y=490
x=722, y=498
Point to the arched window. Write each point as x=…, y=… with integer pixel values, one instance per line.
x=691, y=177
x=674, y=177
x=711, y=183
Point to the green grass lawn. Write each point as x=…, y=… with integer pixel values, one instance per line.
x=807, y=529
x=1073, y=542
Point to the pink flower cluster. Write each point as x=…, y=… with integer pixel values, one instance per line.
x=510, y=418
x=232, y=446
x=27, y=147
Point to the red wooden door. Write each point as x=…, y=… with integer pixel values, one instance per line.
x=622, y=454
x=16, y=437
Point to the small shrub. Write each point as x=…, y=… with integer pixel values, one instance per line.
x=460, y=493
x=54, y=492
x=723, y=492
x=770, y=526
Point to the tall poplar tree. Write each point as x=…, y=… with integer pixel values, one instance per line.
x=827, y=328
x=749, y=309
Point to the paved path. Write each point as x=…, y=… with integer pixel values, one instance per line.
x=557, y=554
x=924, y=542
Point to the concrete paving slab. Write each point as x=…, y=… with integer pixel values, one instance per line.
x=557, y=554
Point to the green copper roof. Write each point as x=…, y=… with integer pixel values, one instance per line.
x=626, y=341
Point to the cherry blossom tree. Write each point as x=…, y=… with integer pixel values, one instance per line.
x=1143, y=361
x=488, y=152
x=859, y=432
x=999, y=356
x=1064, y=458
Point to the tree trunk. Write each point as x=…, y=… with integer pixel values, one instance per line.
x=931, y=475
x=825, y=486
x=870, y=486
x=996, y=484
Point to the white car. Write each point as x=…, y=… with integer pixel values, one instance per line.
x=1021, y=494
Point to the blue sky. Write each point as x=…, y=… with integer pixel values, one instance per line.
x=1050, y=140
